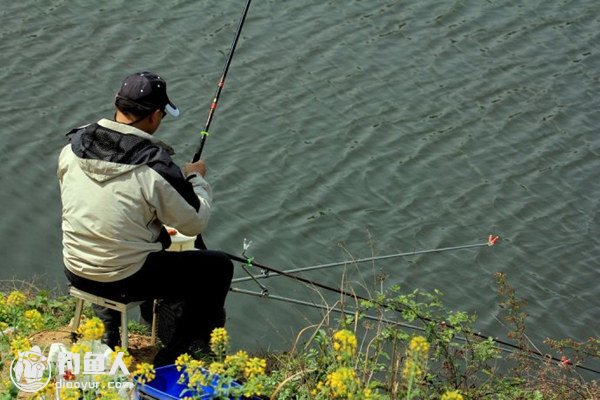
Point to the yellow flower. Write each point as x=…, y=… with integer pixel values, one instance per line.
x=216, y=367
x=92, y=329
x=319, y=389
x=219, y=341
x=418, y=344
x=127, y=358
x=182, y=361
x=452, y=395
x=342, y=382
x=2, y=302
x=33, y=319
x=144, y=373
x=19, y=344
x=236, y=363
x=16, y=299
x=197, y=378
x=110, y=394
x=80, y=348
x=69, y=393
x=255, y=366
x=194, y=370
x=344, y=343
x=49, y=392
x=411, y=369
x=253, y=387
x=195, y=365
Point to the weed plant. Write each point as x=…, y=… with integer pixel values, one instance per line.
x=355, y=357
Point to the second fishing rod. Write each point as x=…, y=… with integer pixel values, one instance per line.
x=397, y=308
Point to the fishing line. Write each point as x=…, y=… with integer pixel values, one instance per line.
x=249, y=261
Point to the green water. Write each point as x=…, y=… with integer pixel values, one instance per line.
x=345, y=129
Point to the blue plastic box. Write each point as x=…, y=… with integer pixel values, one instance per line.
x=165, y=386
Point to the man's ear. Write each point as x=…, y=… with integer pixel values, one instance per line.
x=156, y=115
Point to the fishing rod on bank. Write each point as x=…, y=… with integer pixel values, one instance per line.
x=221, y=83
x=344, y=311
x=248, y=262
x=492, y=240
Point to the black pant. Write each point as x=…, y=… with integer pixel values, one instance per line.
x=198, y=278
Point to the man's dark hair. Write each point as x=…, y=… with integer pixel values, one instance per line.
x=132, y=108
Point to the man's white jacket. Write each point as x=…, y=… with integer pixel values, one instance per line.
x=119, y=186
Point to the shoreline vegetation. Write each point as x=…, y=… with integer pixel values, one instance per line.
x=347, y=358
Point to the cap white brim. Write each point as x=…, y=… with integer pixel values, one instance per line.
x=172, y=110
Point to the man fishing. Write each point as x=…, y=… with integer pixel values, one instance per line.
x=119, y=188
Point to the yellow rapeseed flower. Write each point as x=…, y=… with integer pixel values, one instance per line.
x=255, y=366
x=33, y=319
x=16, y=298
x=344, y=343
x=80, y=348
x=216, y=367
x=182, y=361
x=127, y=358
x=69, y=393
x=253, y=387
x=197, y=378
x=92, y=329
x=195, y=364
x=219, y=341
x=342, y=382
x=411, y=369
x=2, y=302
x=319, y=389
x=236, y=363
x=110, y=394
x=48, y=392
x=144, y=373
x=19, y=344
x=418, y=344
x=452, y=395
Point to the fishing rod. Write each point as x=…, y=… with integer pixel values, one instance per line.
x=345, y=312
x=220, y=84
x=251, y=262
x=365, y=316
x=492, y=240
x=321, y=307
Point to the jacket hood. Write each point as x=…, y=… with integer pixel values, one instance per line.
x=106, y=150
x=102, y=171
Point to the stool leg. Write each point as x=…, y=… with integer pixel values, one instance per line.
x=124, y=330
x=154, y=321
x=76, y=319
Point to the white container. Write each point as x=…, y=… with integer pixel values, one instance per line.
x=179, y=241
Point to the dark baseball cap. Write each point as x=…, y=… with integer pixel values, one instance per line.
x=148, y=90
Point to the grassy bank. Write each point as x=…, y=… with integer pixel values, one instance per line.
x=351, y=358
